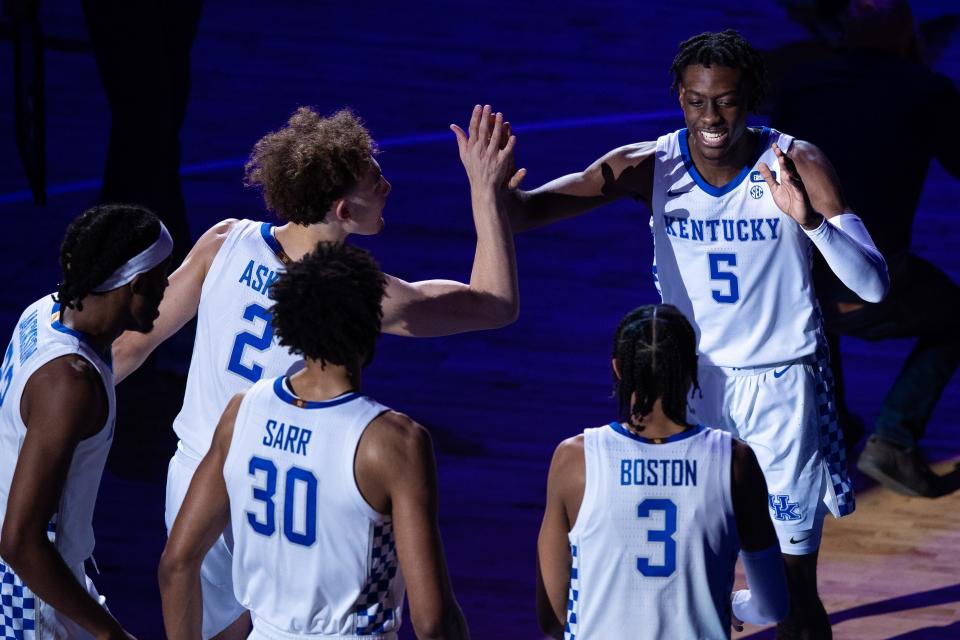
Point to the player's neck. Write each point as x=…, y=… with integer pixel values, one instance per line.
x=656, y=425
x=317, y=383
x=99, y=322
x=298, y=240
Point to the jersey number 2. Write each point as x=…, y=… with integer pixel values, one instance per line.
x=265, y=494
x=664, y=535
x=733, y=287
x=261, y=342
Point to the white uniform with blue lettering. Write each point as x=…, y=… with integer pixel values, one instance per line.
x=38, y=339
x=655, y=542
x=740, y=270
x=310, y=557
x=234, y=347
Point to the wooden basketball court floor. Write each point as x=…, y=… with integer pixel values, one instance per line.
x=577, y=79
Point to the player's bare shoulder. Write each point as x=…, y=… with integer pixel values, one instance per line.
x=394, y=438
x=627, y=170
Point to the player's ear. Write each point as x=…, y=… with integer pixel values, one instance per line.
x=341, y=210
x=680, y=94
x=616, y=368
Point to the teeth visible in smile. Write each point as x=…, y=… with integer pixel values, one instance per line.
x=712, y=136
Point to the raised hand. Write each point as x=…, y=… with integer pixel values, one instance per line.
x=486, y=150
x=790, y=194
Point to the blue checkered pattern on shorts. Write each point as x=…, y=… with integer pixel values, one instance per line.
x=573, y=599
x=18, y=607
x=831, y=436
x=375, y=607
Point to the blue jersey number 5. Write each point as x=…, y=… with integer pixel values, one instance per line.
x=664, y=535
x=246, y=339
x=733, y=292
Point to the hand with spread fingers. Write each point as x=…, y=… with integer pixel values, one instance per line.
x=486, y=150
x=790, y=194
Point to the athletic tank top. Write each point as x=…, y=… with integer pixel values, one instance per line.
x=736, y=266
x=310, y=555
x=39, y=337
x=234, y=345
x=655, y=542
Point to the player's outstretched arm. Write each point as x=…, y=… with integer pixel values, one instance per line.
x=63, y=403
x=809, y=192
x=766, y=599
x=623, y=172
x=179, y=305
x=491, y=299
x=565, y=484
x=202, y=518
x=396, y=473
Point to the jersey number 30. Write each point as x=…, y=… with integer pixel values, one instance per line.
x=664, y=535
x=265, y=494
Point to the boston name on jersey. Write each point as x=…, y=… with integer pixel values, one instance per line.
x=664, y=473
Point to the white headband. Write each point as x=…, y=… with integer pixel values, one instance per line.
x=140, y=263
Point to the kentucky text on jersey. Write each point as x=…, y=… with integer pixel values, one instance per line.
x=259, y=277
x=288, y=437
x=744, y=230
x=676, y=473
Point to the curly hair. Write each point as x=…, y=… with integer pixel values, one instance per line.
x=302, y=168
x=327, y=304
x=97, y=243
x=726, y=49
x=656, y=349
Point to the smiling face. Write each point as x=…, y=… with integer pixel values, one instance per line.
x=714, y=108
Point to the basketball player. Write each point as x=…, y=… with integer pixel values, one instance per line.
x=644, y=517
x=736, y=212
x=320, y=176
x=325, y=490
x=57, y=419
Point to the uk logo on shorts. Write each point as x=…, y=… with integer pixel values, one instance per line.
x=783, y=509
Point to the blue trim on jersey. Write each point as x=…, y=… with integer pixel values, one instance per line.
x=79, y=335
x=683, y=435
x=289, y=398
x=266, y=230
x=737, y=180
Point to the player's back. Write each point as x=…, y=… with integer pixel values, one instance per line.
x=38, y=339
x=310, y=554
x=234, y=345
x=655, y=541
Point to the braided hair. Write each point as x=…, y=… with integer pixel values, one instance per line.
x=327, y=304
x=726, y=49
x=97, y=243
x=656, y=351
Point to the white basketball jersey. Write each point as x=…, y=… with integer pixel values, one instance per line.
x=655, y=542
x=234, y=345
x=736, y=266
x=39, y=338
x=310, y=555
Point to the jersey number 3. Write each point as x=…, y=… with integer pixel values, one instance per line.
x=664, y=535
x=261, y=342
